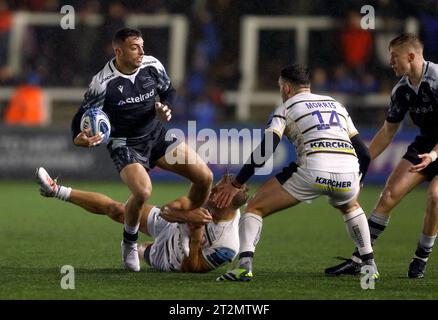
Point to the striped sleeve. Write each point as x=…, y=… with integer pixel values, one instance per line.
x=277, y=121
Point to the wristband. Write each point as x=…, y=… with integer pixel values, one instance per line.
x=236, y=184
x=433, y=155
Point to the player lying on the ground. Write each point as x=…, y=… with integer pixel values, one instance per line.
x=214, y=239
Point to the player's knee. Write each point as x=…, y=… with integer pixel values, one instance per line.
x=256, y=209
x=115, y=211
x=142, y=195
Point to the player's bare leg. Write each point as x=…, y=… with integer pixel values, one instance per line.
x=139, y=183
x=269, y=198
x=398, y=185
x=189, y=165
x=98, y=203
x=93, y=202
x=417, y=267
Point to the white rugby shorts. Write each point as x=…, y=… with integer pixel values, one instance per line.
x=305, y=185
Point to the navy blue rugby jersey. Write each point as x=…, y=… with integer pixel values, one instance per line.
x=128, y=100
x=421, y=102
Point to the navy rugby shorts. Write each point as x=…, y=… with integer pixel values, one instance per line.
x=145, y=150
x=419, y=146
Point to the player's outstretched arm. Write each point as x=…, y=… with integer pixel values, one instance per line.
x=383, y=138
x=257, y=159
x=199, y=216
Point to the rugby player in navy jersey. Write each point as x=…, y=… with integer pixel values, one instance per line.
x=416, y=93
x=126, y=89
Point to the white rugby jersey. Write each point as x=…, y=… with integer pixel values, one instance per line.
x=320, y=129
x=220, y=245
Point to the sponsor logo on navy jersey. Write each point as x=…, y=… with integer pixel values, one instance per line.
x=139, y=98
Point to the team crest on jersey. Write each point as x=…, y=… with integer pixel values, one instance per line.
x=120, y=88
x=148, y=82
x=425, y=97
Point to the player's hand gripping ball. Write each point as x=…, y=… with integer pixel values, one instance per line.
x=98, y=122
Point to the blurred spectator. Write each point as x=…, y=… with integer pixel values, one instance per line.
x=114, y=20
x=356, y=43
x=344, y=81
x=210, y=38
x=196, y=81
x=204, y=112
x=84, y=38
x=319, y=80
x=26, y=107
x=5, y=27
x=369, y=83
x=428, y=14
x=181, y=107
x=227, y=74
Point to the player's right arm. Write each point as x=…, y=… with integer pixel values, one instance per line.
x=173, y=213
x=273, y=133
x=383, y=138
x=94, y=97
x=394, y=116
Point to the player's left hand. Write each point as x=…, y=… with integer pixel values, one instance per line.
x=199, y=216
x=425, y=161
x=225, y=195
x=163, y=111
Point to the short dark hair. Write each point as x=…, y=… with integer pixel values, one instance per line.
x=121, y=35
x=407, y=38
x=296, y=74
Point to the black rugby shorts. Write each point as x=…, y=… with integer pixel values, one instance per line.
x=419, y=146
x=145, y=150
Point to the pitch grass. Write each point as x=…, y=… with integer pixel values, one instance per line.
x=38, y=236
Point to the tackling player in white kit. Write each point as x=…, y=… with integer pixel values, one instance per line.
x=327, y=146
x=213, y=232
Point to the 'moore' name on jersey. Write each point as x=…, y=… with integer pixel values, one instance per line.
x=128, y=100
x=421, y=101
x=320, y=129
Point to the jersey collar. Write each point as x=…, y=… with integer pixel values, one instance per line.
x=417, y=88
x=130, y=77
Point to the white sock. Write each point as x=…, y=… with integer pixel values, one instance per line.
x=427, y=241
x=250, y=227
x=63, y=193
x=130, y=229
x=424, y=247
x=357, y=227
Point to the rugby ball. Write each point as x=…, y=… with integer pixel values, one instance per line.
x=98, y=121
